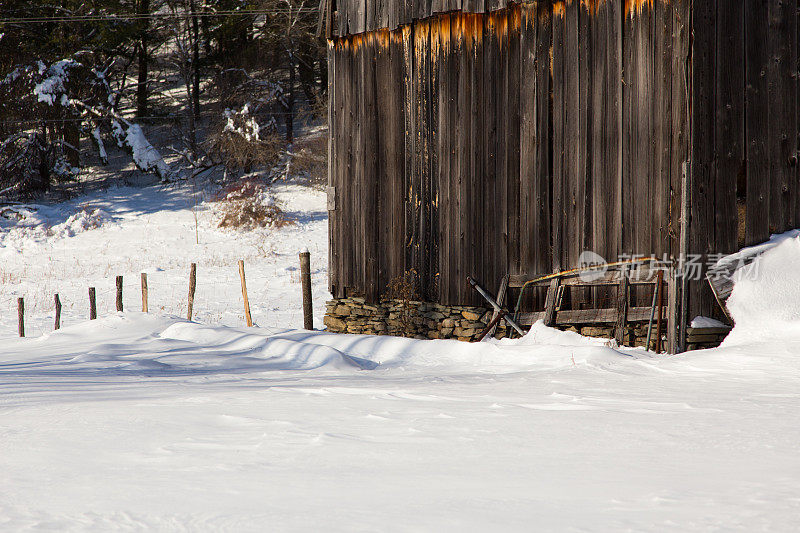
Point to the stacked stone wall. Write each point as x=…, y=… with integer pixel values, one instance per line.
x=421, y=320
x=424, y=320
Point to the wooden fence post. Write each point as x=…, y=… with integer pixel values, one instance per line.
x=21, y=316
x=144, y=293
x=119, y=293
x=192, y=287
x=58, y=312
x=244, y=295
x=92, y=304
x=305, y=278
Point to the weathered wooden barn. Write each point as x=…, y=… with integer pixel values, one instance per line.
x=491, y=137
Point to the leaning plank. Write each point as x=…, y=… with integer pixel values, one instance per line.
x=501, y=297
x=550, y=303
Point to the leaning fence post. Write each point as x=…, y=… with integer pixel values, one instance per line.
x=119, y=293
x=144, y=293
x=192, y=287
x=305, y=278
x=58, y=312
x=92, y=304
x=21, y=316
x=244, y=295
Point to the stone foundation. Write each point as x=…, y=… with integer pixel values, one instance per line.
x=420, y=320
x=424, y=320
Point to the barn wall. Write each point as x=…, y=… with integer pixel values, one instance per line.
x=468, y=144
x=745, y=129
x=348, y=17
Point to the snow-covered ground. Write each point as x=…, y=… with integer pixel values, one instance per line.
x=151, y=422
x=68, y=247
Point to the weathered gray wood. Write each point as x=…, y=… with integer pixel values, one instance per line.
x=92, y=304
x=757, y=117
x=57, y=324
x=559, y=134
x=502, y=166
x=551, y=302
x=501, y=300
x=119, y=293
x=729, y=124
x=611, y=277
x=305, y=279
x=575, y=317
x=702, y=232
x=680, y=149
x=410, y=142
x=782, y=138
x=510, y=127
x=582, y=188
x=192, y=288
x=373, y=171
x=622, y=310
x=529, y=243
x=21, y=316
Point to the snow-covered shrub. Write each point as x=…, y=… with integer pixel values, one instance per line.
x=248, y=204
x=86, y=218
x=240, y=144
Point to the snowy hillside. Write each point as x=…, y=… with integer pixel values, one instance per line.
x=151, y=422
x=66, y=248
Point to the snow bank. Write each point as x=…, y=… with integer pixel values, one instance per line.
x=765, y=302
x=166, y=345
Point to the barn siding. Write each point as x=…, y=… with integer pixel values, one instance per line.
x=744, y=178
x=509, y=142
x=516, y=140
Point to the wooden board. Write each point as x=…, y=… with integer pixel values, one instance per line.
x=587, y=316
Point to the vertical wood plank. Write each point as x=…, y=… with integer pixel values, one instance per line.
x=729, y=133
x=432, y=196
x=372, y=167
x=782, y=98
x=571, y=201
x=630, y=131
x=466, y=41
x=443, y=196
x=527, y=141
x=544, y=167
x=757, y=122
x=410, y=148
x=492, y=232
x=512, y=84
x=582, y=239
x=333, y=163
x=681, y=149
x=477, y=152
x=559, y=132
